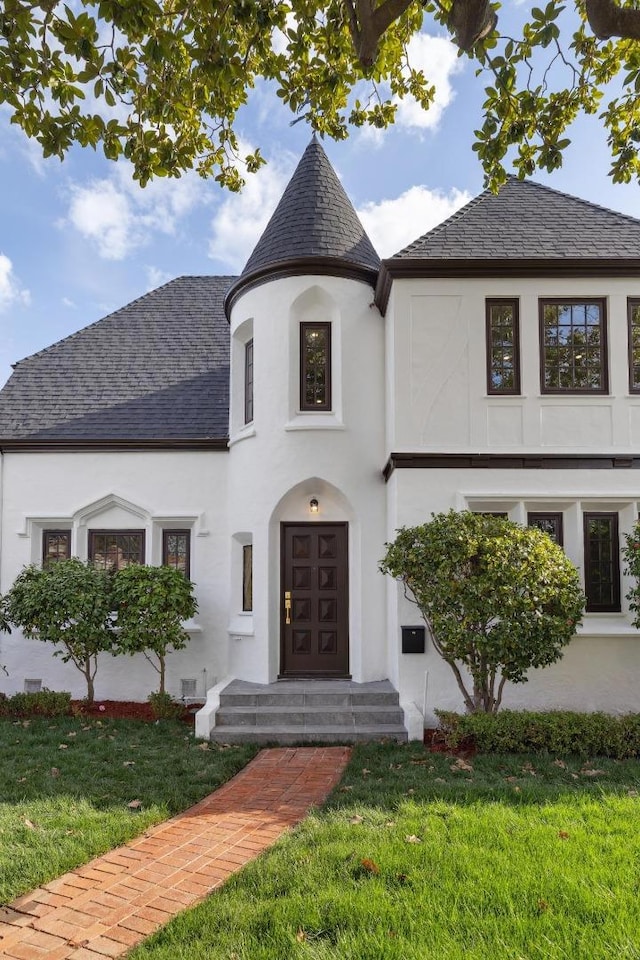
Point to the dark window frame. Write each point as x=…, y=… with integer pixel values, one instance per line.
x=632, y=303
x=116, y=533
x=48, y=535
x=247, y=578
x=513, y=302
x=604, y=351
x=594, y=606
x=325, y=406
x=169, y=532
x=248, y=381
x=556, y=517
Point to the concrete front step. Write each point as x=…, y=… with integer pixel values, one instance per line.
x=308, y=711
x=297, y=735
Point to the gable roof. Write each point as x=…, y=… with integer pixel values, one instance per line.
x=313, y=229
x=155, y=371
x=529, y=220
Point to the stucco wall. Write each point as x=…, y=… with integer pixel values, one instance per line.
x=109, y=490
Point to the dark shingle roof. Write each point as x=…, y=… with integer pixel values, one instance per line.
x=528, y=220
x=156, y=369
x=314, y=218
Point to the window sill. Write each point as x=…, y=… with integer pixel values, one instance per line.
x=244, y=434
x=241, y=625
x=315, y=421
x=606, y=625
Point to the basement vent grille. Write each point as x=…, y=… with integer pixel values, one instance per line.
x=188, y=689
x=32, y=686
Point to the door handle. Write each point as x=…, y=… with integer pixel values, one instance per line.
x=287, y=606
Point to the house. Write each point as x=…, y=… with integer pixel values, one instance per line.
x=267, y=434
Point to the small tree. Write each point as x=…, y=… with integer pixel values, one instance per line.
x=152, y=603
x=67, y=604
x=498, y=598
x=631, y=556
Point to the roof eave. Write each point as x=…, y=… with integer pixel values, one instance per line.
x=408, y=268
x=67, y=445
x=297, y=267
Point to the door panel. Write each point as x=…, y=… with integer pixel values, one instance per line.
x=315, y=641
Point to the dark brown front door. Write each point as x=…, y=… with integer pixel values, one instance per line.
x=315, y=628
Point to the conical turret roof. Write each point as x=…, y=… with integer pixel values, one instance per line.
x=314, y=229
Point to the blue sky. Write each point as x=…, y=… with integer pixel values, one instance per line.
x=79, y=239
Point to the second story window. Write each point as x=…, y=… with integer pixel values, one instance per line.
x=315, y=366
x=248, y=381
x=503, y=347
x=573, y=346
x=634, y=346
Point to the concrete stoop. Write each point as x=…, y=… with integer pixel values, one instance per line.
x=309, y=711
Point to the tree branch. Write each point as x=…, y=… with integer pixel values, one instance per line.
x=367, y=24
x=607, y=19
x=470, y=21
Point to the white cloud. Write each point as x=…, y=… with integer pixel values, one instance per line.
x=68, y=303
x=11, y=292
x=119, y=216
x=157, y=277
x=241, y=217
x=438, y=58
x=392, y=224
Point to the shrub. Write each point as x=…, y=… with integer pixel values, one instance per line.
x=164, y=707
x=45, y=703
x=499, y=599
x=556, y=732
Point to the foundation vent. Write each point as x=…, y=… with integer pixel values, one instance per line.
x=32, y=686
x=188, y=689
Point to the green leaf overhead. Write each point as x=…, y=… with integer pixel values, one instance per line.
x=161, y=82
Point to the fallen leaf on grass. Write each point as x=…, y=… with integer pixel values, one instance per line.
x=345, y=789
x=542, y=906
x=517, y=789
x=134, y=804
x=411, y=838
x=632, y=793
x=563, y=834
x=28, y=823
x=529, y=768
x=129, y=763
x=560, y=763
x=409, y=792
x=54, y=772
x=301, y=936
x=575, y=776
x=592, y=773
x=204, y=745
x=461, y=764
x=390, y=823
x=63, y=746
x=356, y=819
x=21, y=780
x=511, y=779
x=418, y=763
x=439, y=780
x=365, y=771
x=370, y=866
x=72, y=733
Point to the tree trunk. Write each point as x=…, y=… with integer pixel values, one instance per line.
x=161, y=659
x=89, y=678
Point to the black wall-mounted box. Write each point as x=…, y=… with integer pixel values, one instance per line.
x=413, y=639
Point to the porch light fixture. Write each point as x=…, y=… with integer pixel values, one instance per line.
x=314, y=506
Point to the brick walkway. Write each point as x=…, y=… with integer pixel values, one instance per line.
x=106, y=907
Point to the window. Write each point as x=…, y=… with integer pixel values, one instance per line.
x=247, y=578
x=315, y=366
x=503, y=347
x=601, y=562
x=248, y=381
x=550, y=523
x=176, y=550
x=573, y=347
x=56, y=545
x=634, y=346
x=114, y=549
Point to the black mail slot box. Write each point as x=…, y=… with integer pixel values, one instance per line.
x=413, y=639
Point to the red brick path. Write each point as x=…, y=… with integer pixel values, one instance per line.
x=106, y=907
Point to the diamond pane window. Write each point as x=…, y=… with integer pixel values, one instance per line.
x=549, y=523
x=176, y=550
x=315, y=366
x=114, y=549
x=634, y=346
x=248, y=382
x=573, y=348
x=56, y=545
x=601, y=562
x=503, y=347
x=247, y=577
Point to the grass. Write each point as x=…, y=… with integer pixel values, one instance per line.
x=65, y=786
x=416, y=857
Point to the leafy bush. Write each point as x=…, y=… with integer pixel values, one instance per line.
x=164, y=707
x=498, y=598
x=45, y=703
x=556, y=732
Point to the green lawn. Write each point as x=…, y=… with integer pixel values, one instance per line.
x=65, y=786
x=416, y=857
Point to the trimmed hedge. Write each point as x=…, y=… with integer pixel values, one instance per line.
x=555, y=732
x=46, y=703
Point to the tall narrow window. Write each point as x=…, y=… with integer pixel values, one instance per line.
x=176, y=549
x=601, y=562
x=634, y=346
x=56, y=545
x=315, y=366
x=247, y=577
x=248, y=381
x=550, y=523
x=573, y=346
x=503, y=347
x=114, y=549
